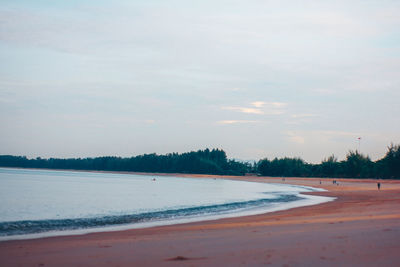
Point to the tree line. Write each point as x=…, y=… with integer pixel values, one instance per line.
x=205, y=161
x=215, y=161
x=355, y=165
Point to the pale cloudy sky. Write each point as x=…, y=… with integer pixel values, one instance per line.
x=255, y=78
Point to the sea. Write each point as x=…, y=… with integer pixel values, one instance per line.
x=41, y=203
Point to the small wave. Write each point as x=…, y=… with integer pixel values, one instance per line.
x=40, y=226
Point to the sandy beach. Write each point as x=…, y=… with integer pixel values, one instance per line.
x=360, y=228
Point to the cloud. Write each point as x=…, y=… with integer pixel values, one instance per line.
x=297, y=139
x=236, y=121
x=120, y=62
x=324, y=91
x=276, y=104
x=261, y=107
x=274, y=112
x=258, y=104
x=245, y=110
x=303, y=115
x=336, y=133
x=322, y=137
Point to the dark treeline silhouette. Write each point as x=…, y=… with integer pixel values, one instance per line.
x=201, y=162
x=355, y=165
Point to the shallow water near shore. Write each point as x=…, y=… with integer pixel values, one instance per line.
x=36, y=203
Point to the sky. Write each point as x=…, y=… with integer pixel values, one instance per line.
x=255, y=78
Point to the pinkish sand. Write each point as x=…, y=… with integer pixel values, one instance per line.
x=360, y=228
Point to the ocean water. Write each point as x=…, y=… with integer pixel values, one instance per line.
x=36, y=203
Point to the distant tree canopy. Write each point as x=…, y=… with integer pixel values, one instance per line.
x=215, y=161
x=355, y=165
x=202, y=162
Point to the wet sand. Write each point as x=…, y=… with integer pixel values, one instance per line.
x=360, y=228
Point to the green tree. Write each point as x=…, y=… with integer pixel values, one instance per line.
x=389, y=166
x=329, y=167
x=357, y=165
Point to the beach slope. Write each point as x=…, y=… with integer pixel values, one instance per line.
x=360, y=228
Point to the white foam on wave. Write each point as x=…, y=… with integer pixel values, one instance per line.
x=232, y=191
x=306, y=200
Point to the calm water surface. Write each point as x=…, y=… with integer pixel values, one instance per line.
x=39, y=201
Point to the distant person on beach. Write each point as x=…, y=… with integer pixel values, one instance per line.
x=379, y=186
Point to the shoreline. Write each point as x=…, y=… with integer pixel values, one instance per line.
x=361, y=227
x=306, y=200
x=199, y=175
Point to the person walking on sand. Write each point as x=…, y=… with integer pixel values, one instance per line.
x=379, y=186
